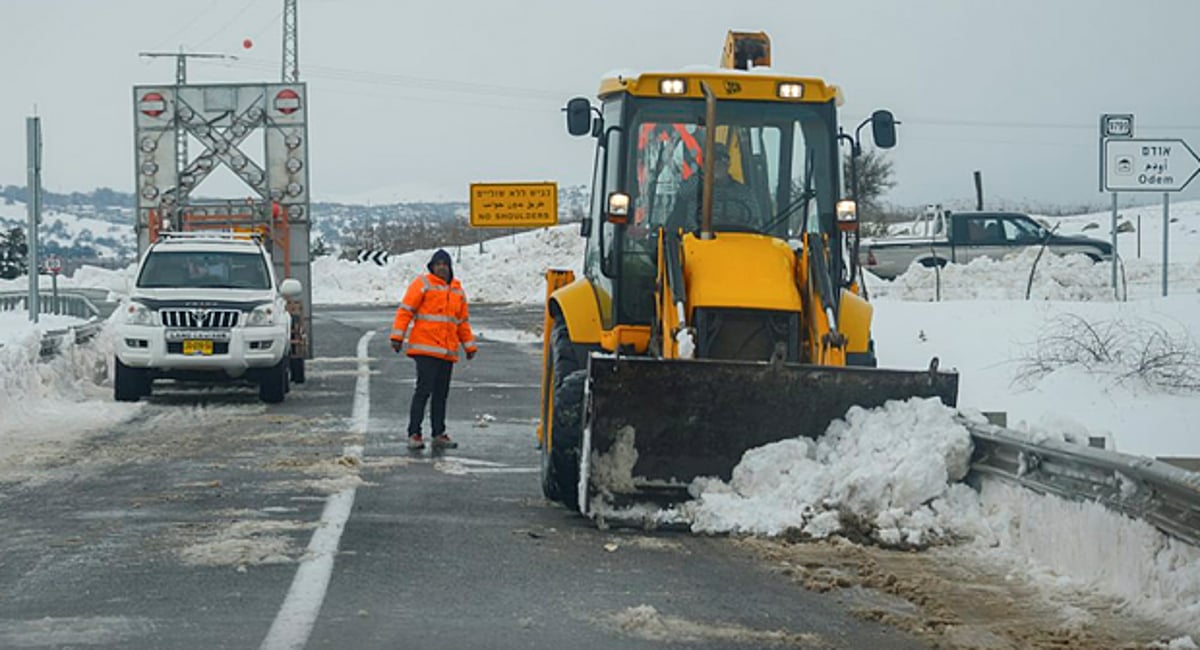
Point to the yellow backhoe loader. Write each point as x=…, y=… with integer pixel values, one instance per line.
x=718, y=309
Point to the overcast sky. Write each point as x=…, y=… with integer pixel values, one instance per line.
x=415, y=100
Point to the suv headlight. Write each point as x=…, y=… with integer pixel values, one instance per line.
x=261, y=316
x=138, y=314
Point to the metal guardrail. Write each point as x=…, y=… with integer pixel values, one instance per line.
x=75, y=304
x=52, y=340
x=70, y=303
x=1163, y=496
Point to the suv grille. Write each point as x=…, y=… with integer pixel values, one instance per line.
x=197, y=318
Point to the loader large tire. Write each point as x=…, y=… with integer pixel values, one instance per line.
x=561, y=462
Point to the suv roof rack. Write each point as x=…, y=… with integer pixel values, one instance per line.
x=218, y=235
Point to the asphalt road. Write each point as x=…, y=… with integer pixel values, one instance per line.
x=212, y=521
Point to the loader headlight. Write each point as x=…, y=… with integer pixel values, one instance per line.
x=618, y=207
x=138, y=314
x=790, y=91
x=261, y=316
x=847, y=210
x=847, y=215
x=672, y=86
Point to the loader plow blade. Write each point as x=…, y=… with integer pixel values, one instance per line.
x=654, y=425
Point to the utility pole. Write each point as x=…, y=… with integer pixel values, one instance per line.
x=181, y=57
x=33, y=205
x=291, y=43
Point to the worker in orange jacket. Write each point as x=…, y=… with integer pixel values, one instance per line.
x=436, y=306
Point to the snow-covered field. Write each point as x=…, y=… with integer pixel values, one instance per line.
x=1133, y=381
x=106, y=239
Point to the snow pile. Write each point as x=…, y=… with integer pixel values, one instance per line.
x=1070, y=278
x=1094, y=549
x=511, y=269
x=889, y=473
x=41, y=401
x=889, y=476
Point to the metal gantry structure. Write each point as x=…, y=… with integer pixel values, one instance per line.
x=291, y=43
x=181, y=57
x=222, y=117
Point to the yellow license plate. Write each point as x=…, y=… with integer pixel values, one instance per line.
x=202, y=347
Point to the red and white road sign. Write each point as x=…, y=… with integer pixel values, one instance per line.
x=287, y=101
x=54, y=264
x=152, y=104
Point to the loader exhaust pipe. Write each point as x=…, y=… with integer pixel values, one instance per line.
x=710, y=143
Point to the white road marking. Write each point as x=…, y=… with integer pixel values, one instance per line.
x=294, y=622
x=477, y=461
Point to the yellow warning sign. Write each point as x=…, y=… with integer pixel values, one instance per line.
x=514, y=205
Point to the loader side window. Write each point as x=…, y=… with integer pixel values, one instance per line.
x=601, y=246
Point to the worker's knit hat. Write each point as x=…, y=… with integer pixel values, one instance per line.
x=442, y=256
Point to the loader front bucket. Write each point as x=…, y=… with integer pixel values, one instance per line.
x=653, y=425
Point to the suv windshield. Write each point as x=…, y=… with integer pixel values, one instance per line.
x=204, y=269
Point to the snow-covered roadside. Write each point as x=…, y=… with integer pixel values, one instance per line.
x=987, y=341
x=49, y=404
x=1085, y=546
x=890, y=476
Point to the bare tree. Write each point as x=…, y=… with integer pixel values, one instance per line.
x=875, y=178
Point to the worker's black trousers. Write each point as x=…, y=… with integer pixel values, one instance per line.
x=433, y=379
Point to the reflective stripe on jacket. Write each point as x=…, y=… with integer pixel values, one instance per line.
x=439, y=318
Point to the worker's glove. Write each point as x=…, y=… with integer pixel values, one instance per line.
x=397, y=344
x=470, y=354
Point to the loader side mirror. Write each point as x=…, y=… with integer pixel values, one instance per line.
x=579, y=116
x=883, y=127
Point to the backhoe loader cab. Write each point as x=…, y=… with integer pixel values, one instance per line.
x=717, y=309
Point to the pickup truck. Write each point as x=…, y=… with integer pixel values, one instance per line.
x=945, y=237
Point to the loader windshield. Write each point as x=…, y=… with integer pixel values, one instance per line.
x=765, y=153
x=775, y=173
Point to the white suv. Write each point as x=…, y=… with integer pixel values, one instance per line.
x=205, y=308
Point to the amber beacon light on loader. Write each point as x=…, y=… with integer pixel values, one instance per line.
x=719, y=308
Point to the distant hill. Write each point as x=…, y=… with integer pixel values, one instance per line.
x=104, y=233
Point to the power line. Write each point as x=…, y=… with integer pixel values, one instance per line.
x=1091, y=126
x=232, y=20
x=374, y=78
x=181, y=30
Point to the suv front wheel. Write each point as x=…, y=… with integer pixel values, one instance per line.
x=129, y=384
x=273, y=384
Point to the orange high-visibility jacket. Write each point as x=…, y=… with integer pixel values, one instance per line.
x=438, y=313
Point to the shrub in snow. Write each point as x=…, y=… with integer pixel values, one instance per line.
x=1127, y=350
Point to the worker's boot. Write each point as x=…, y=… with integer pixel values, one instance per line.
x=443, y=441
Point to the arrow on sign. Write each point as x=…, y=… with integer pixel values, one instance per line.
x=1133, y=165
x=379, y=257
